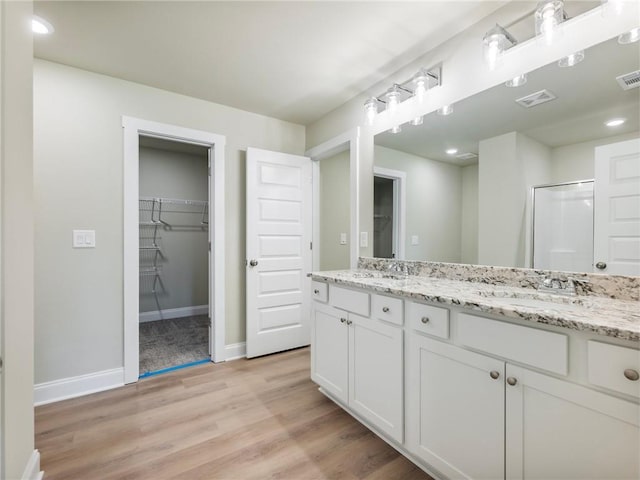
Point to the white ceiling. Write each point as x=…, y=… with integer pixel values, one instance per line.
x=295, y=61
x=587, y=95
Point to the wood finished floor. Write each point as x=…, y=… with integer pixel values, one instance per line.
x=255, y=419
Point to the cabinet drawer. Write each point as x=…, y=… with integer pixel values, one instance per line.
x=614, y=367
x=386, y=308
x=427, y=319
x=349, y=300
x=538, y=348
x=319, y=291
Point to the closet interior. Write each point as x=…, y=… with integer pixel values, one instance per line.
x=174, y=255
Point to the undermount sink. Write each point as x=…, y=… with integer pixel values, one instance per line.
x=535, y=300
x=546, y=304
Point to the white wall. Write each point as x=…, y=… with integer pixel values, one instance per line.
x=469, y=228
x=509, y=165
x=434, y=202
x=16, y=242
x=334, y=211
x=184, y=246
x=576, y=161
x=78, y=175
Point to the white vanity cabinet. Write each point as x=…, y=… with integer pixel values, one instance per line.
x=359, y=361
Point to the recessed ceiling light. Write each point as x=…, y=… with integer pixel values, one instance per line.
x=517, y=81
x=40, y=26
x=452, y=151
x=571, y=60
x=631, y=36
x=615, y=122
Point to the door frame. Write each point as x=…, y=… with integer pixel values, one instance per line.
x=399, y=207
x=348, y=140
x=132, y=129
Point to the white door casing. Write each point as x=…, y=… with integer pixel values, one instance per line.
x=399, y=207
x=617, y=208
x=278, y=251
x=133, y=128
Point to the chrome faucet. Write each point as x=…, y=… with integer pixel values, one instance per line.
x=556, y=286
x=399, y=267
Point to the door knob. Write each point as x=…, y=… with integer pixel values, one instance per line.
x=601, y=265
x=253, y=263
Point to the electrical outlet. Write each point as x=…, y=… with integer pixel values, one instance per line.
x=343, y=239
x=414, y=240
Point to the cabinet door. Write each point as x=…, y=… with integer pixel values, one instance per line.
x=560, y=430
x=330, y=350
x=455, y=409
x=376, y=374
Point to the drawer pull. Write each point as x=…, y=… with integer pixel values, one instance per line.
x=342, y=320
x=512, y=381
x=494, y=374
x=424, y=319
x=385, y=309
x=316, y=291
x=631, y=374
x=349, y=322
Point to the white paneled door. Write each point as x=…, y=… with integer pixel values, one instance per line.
x=278, y=251
x=616, y=248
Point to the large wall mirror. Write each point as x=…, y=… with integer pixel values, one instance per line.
x=459, y=187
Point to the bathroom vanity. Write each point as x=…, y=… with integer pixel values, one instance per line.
x=472, y=372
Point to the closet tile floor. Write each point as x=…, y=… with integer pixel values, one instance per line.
x=172, y=342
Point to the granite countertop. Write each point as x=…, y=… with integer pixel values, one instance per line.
x=600, y=315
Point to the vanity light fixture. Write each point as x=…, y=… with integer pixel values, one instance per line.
x=571, y=60
x=631, y=36
x=446, y=110
x=615, y=122
x=451, y=151
x=414, y=87
x=548, y=16
x=40, y=26
x=517, y=81
x=495, y=42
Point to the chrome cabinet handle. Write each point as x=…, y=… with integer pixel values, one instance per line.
x=424, y=319
x=601, y=265
x=512, y=381
x=494, y=374
x=631, y=374
x=253, y=263
x=342, y=320
x=385, y=309
x=316, y=291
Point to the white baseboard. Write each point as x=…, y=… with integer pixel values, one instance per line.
x=234, y=351
x=72, y=387
x=32, y=470
x=174, y=313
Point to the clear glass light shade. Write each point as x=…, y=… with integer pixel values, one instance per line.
x=393, y=99
x=631, y=36
x=417, y=121
x=517, y=81
x=548, y=16
x=446, y=110
x=495, y=42
x=370, y=110
x=571, y=60
x=420, y=84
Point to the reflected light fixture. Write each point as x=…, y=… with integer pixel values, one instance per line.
x=631, y=36
x=548, y=16
x=615, y=122
x=396, y=129
x=417, y=121
x=517, y=81
x=495, y=42
x=40, y=26
x=446, y=110
x=571, y=60
x=370, y=110
x=421, y=84
x=452, y=151
x=392, y=97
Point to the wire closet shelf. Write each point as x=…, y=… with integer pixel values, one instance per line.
x=154, y=211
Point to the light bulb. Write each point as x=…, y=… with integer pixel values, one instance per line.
x=493, y=50
x=421, y=84
x=393, y=99
x=548, y=17
x=495, y=42
x=370, y=110
x=517, y=81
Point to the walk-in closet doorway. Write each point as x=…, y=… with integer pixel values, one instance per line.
x=173, y=247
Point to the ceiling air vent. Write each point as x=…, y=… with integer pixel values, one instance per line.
x=537, y=98
x=467, y=156
x=629, y=80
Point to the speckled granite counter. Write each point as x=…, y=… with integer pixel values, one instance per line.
x=590, y=313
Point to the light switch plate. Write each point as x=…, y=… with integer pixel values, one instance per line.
x=364, y=239
x=414, y=240
x=343, y=239
x=84, y=239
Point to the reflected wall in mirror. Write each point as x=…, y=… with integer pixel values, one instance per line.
x=335, y=218
x=469, y=174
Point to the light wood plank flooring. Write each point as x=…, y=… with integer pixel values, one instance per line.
x=255, y=419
